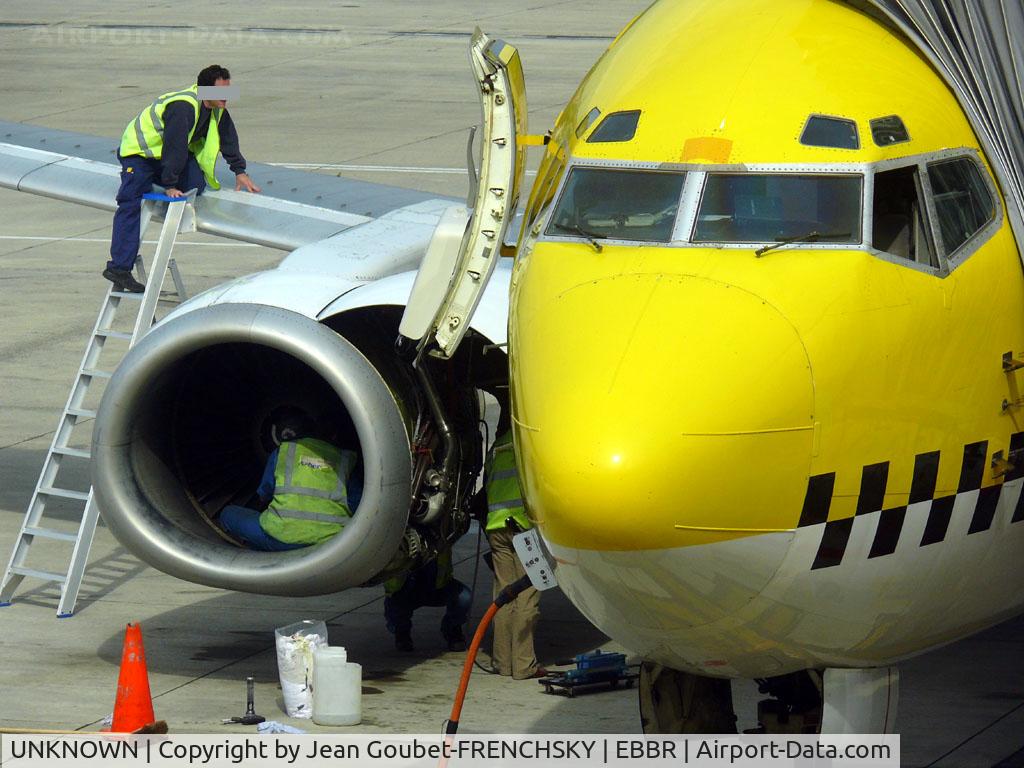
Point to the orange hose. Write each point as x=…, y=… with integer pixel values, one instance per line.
x=467, y=668
x=506, y=596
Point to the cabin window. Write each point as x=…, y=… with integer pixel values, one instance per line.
x=619, y=204
x=587, y=121
x=899, y=219
x=618, y=126
x=769, y=208
x=888, y=130
x=835, y=132
x=963, y=202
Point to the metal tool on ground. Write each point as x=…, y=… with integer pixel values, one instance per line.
x=594, y=671
x=250, y=717
x=77, y=413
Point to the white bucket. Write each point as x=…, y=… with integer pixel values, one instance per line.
x=337, y=688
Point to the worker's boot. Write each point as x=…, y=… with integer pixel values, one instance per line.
x=403, y=642
x=123, y=280
x=455, y=639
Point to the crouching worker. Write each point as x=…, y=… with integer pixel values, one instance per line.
x=432, y=585
x=302, y=499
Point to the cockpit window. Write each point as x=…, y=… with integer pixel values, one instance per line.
x=768, y=208
x=962, y=201
x=889, y=130
x=618, y=126
x=618, y=204
x=836, y=132
x=899, y=216
x=587, y=121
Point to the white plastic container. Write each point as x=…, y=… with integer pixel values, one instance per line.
x=337, y=688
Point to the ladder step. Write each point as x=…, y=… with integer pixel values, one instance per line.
x=64, y=493
x=49, y=533
x=126, y=295
x=44, y=575
x=107, y=333
x=96, y=373
x=78, y=453
x=82, y=413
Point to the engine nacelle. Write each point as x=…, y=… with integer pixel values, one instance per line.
x=182, y=430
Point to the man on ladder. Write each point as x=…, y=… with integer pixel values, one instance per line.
x=175, y=142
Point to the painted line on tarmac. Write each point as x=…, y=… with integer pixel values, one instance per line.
x=107, y=240
x=378, y=168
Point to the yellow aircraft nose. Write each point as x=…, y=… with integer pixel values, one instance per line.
x=649, y=407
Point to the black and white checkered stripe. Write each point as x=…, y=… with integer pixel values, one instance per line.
x=836, y=533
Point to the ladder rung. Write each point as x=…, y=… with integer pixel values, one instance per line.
x=49, y=533
x=107, y=333
x=126, y=295
x=64, y=493
x=82, y=413
x=44, y=575
x=79, y=453
x=96, y=373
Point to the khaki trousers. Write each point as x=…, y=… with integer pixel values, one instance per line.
x=513, y=625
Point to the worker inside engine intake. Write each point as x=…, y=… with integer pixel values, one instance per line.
x=309, y=489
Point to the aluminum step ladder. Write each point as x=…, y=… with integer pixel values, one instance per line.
x=76, y=413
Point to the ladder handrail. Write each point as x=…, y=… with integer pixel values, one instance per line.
x=164, y=246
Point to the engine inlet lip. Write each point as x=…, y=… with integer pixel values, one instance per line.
x=369, y=539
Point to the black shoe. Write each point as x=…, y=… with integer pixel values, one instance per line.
x=403, y=643
x=123, y=280
x=455, y=639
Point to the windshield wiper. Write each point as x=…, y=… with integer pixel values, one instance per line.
x=575, y=229
x=810, y=237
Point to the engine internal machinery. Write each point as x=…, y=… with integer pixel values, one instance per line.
x=184, y=429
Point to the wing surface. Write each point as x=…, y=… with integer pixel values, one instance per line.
x=296, y=208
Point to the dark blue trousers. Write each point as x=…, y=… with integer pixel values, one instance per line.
x=244, y=524
x=137, y=177
x=420, y=592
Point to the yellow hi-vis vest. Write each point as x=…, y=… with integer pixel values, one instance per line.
x=310, y=500
x=145, y=134
x=504, y=496
x=444, y=575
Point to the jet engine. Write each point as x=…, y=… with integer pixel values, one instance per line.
x=184, y=429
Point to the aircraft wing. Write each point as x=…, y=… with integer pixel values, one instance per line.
x=976, y=46
x=296, y=208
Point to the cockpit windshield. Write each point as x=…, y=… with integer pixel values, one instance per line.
x=929, y=210
x=766, y=208
x=619, y=204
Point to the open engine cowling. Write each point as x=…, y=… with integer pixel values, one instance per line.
x=182, y=430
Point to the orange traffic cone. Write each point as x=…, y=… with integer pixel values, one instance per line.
x=133, y=707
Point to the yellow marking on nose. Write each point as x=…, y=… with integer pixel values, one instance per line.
x=731, y=530
x=740, y=432
x=706, y=149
